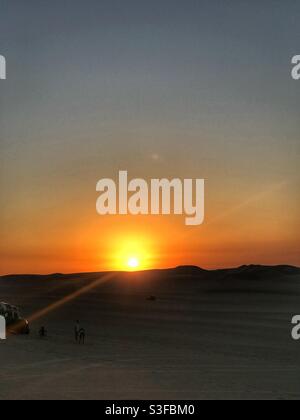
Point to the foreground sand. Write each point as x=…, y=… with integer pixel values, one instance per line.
x=201, y=339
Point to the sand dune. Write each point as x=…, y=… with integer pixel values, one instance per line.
x=208, y=335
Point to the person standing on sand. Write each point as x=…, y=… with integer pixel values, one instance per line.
x=76, y=331
x=82, y=336
x=43, y=332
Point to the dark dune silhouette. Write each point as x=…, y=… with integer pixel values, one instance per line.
x=254, y=271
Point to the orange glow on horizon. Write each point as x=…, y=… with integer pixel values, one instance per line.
x=140, y=243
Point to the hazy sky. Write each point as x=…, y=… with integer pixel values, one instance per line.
x=162, y=89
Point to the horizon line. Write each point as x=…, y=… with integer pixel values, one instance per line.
x=148, y=270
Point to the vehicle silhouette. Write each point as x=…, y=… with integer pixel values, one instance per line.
x=15, y=323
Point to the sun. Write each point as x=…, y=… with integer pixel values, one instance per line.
x=133, y=263
x=131, y=254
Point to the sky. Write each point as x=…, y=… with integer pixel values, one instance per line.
x=162, y=89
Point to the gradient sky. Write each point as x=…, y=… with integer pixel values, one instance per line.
x=168, y=88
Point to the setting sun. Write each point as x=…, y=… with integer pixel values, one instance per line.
x=131, y=253
x=133, y=263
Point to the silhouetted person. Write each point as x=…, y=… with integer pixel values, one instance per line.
x=81, y=336
x=76, y=331
x=42, y=332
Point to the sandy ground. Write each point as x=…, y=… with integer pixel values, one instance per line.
x=199, y=340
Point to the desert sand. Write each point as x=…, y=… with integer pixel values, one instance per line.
x=208, y=335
